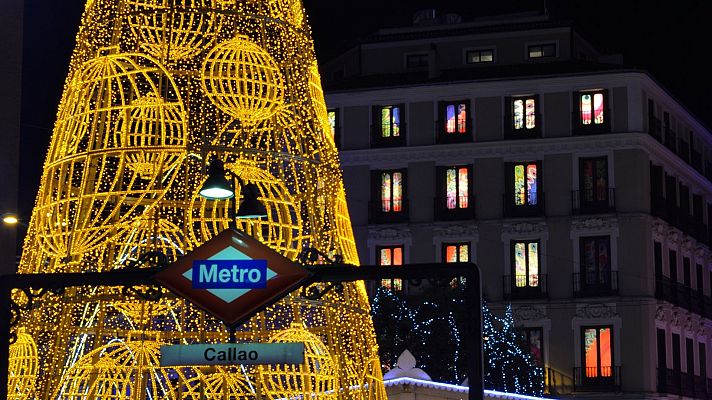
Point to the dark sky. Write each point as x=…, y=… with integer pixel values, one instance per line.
x=666, y=38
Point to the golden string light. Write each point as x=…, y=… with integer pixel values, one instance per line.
x=157, y=88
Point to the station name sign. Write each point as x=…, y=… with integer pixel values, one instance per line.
x=229, y=274
x=232, y=354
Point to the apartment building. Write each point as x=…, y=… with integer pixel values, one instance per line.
x=581, y=187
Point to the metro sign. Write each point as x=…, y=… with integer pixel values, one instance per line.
x=233, y=276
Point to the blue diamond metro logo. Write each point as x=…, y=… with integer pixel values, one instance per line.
x=228, y=295
x=238, y=276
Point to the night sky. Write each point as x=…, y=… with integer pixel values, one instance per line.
x=669, y=39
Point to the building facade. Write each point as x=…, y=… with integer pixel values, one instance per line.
x=580, y=187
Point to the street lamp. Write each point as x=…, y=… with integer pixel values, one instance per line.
x=217, y=187
x=10, y=219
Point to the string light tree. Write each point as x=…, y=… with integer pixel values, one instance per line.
x=155, y=89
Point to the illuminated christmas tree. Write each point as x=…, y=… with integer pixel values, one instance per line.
x=156, y=88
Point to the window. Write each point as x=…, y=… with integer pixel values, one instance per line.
x=524, y=191
x=416, y=60
x=388, y=203
x=534, y=338
x=522, y=118
x=333, y=115
x=457, y=187
x=591, y=106
x=703, y=360
x=388, y=125
x=454, y=188
x=542, y=50
x=593, y=195
x=595, y=253
x=390, y=255
x=525, y=184
x=525, y=263
x=597, y=351
x=456, y=252
x=455, y=123
x=479, y=56
x=391, y=191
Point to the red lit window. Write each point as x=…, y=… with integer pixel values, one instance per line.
x=597, y=351
x=390, y=255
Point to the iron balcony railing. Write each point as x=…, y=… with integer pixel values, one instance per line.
x=597, y=379
x=454, y=208
x=532, y=286
x=557, y=382
x=388, y=212
x=593, y=201
x=596, y=283
x=512, y=210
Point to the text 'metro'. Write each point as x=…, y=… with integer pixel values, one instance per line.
x=229, y=274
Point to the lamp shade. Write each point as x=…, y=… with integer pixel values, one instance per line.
x=216, y=187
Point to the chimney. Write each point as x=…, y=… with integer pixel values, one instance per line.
x=426, y=17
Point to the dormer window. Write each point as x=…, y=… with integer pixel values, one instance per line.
x=419, y=60
x=542, y=50
x=479, y=56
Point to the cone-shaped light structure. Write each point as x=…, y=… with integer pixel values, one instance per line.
x=151, y=84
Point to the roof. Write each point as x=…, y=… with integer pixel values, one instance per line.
x=472, y=74
x=489, y=394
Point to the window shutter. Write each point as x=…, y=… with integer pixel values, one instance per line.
x=441, y=127
x=576, y=110
x=508, y=123
x=440, y=186
x=403, y=123
x=376, y=186
x=607, y=124
x=375, y=124
x=538, y=114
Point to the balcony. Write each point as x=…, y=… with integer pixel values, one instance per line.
x=683, y=296
x=446, y=209
x=593, y=379
x=595, y=284
x=378, y=140
x=593, y=202
x=444, y=137
x=524, y=286
x=518, y=211
x=679, y=383
x=590, y=129
x=395, y=212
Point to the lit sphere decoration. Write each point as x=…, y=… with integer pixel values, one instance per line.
x=243, y=80
x=23, y=367
x=149, y=234
x=315, y=378
x=227, y=384
x=174, y=29
x=105, y=105
x=120, y=369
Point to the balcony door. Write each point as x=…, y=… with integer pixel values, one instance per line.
x=593, y=184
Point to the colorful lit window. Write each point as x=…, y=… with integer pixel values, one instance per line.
x=525, y=184
x=479, y=56
x=390, y=121
x=391, y=191
x=526, y=263
x=391, y=255
x=598, y=351
x=594, y=179
x=596, y=259
x=457, y=187
x=456, y=252
x=524, y=113
x=456, y=117
x=332, y=122
x=534, y=338
x=591, y=106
